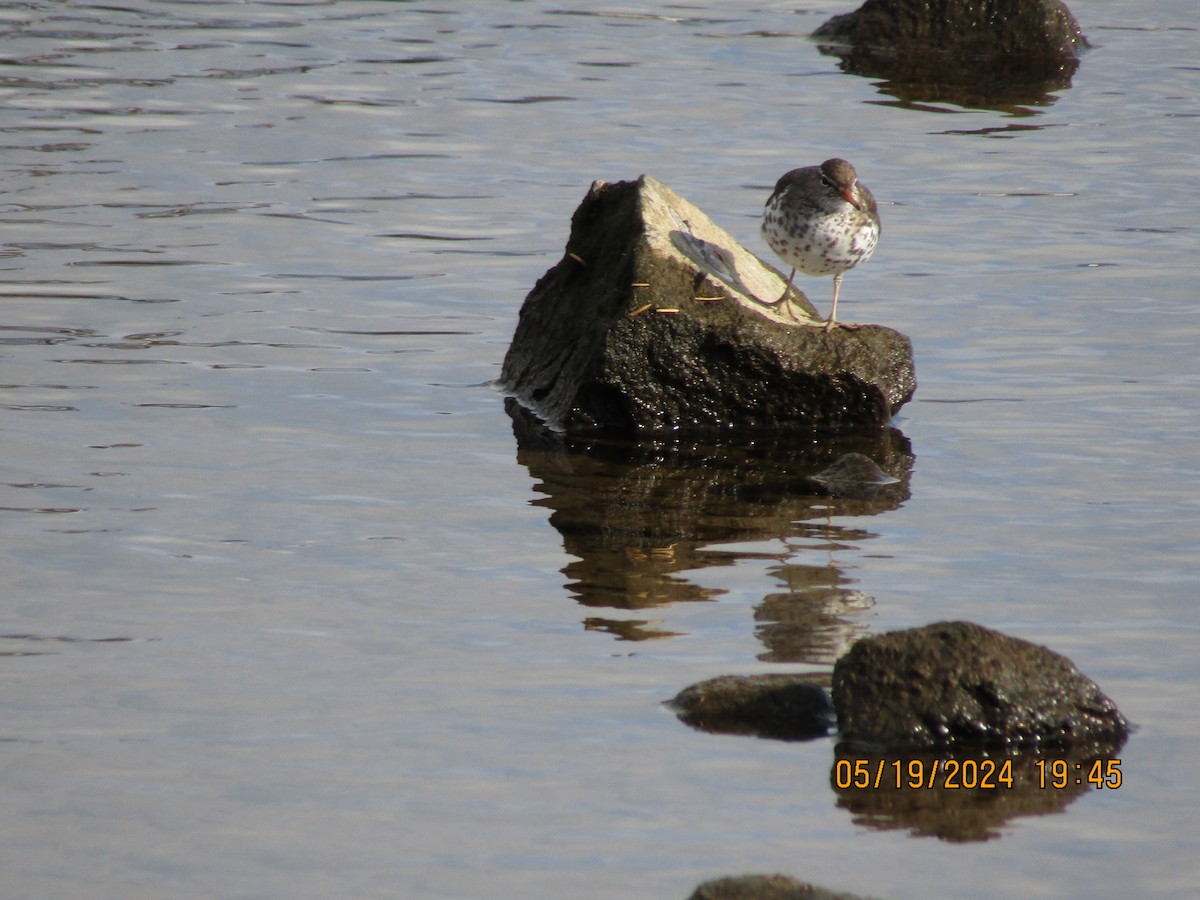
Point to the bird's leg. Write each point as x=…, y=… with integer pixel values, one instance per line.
x=785, y=297
x=837, y=286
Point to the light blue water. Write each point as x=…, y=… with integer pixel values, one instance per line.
x=285, y=613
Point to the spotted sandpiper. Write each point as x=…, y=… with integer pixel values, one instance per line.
x=821, y=220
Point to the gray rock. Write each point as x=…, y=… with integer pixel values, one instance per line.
x=785, y=707
x=764, y=887
x=972, y=52
x=656, y=321
x=960, y=684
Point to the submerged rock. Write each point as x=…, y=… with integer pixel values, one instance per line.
x=785, y=707
x=656, y=320
x=764, y=887
x=971, y=52
x=854, y=475
x=960, y=684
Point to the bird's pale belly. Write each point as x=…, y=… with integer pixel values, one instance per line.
x=840, y=244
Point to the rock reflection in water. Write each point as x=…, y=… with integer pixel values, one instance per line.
x=1007, y=56
x=640, y=516
x=960, y=797
x=813, y=624
x=1013, y=88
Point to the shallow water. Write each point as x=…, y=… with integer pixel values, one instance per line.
x=292, y=612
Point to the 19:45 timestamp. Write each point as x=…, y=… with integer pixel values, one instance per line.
x=1061, y=773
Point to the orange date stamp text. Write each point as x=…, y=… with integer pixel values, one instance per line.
x=971, y=774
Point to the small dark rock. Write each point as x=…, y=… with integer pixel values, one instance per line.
x=979, y=28
x=960, y=684
x=973, y=52
x=764, y=887
x=658, y=321
x=786, y=707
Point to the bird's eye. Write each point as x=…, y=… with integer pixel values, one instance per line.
x=827, y=181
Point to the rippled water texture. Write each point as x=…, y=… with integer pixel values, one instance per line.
x=292, y=608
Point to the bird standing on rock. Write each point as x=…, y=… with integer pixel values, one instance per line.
x=821, y=220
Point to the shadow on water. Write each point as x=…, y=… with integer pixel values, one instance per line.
x=643, y=517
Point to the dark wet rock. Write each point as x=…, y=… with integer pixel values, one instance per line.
x=785, y=707
x=979, y=28
x=983, y=53
x=655, y=321
x=960, y=684
x=764, y=887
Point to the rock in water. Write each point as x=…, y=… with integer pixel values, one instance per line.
x=854, y=475
x=787, y=707
x=976, y=53
x=960, y=684
x=655, y=321
x=974, y=29
x=764, y=887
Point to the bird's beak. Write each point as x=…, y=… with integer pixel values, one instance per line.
x=848, y=196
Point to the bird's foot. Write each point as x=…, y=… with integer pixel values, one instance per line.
x=786, y=302
x=830, y=324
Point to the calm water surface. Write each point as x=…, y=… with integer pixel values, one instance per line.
x=291, y=612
